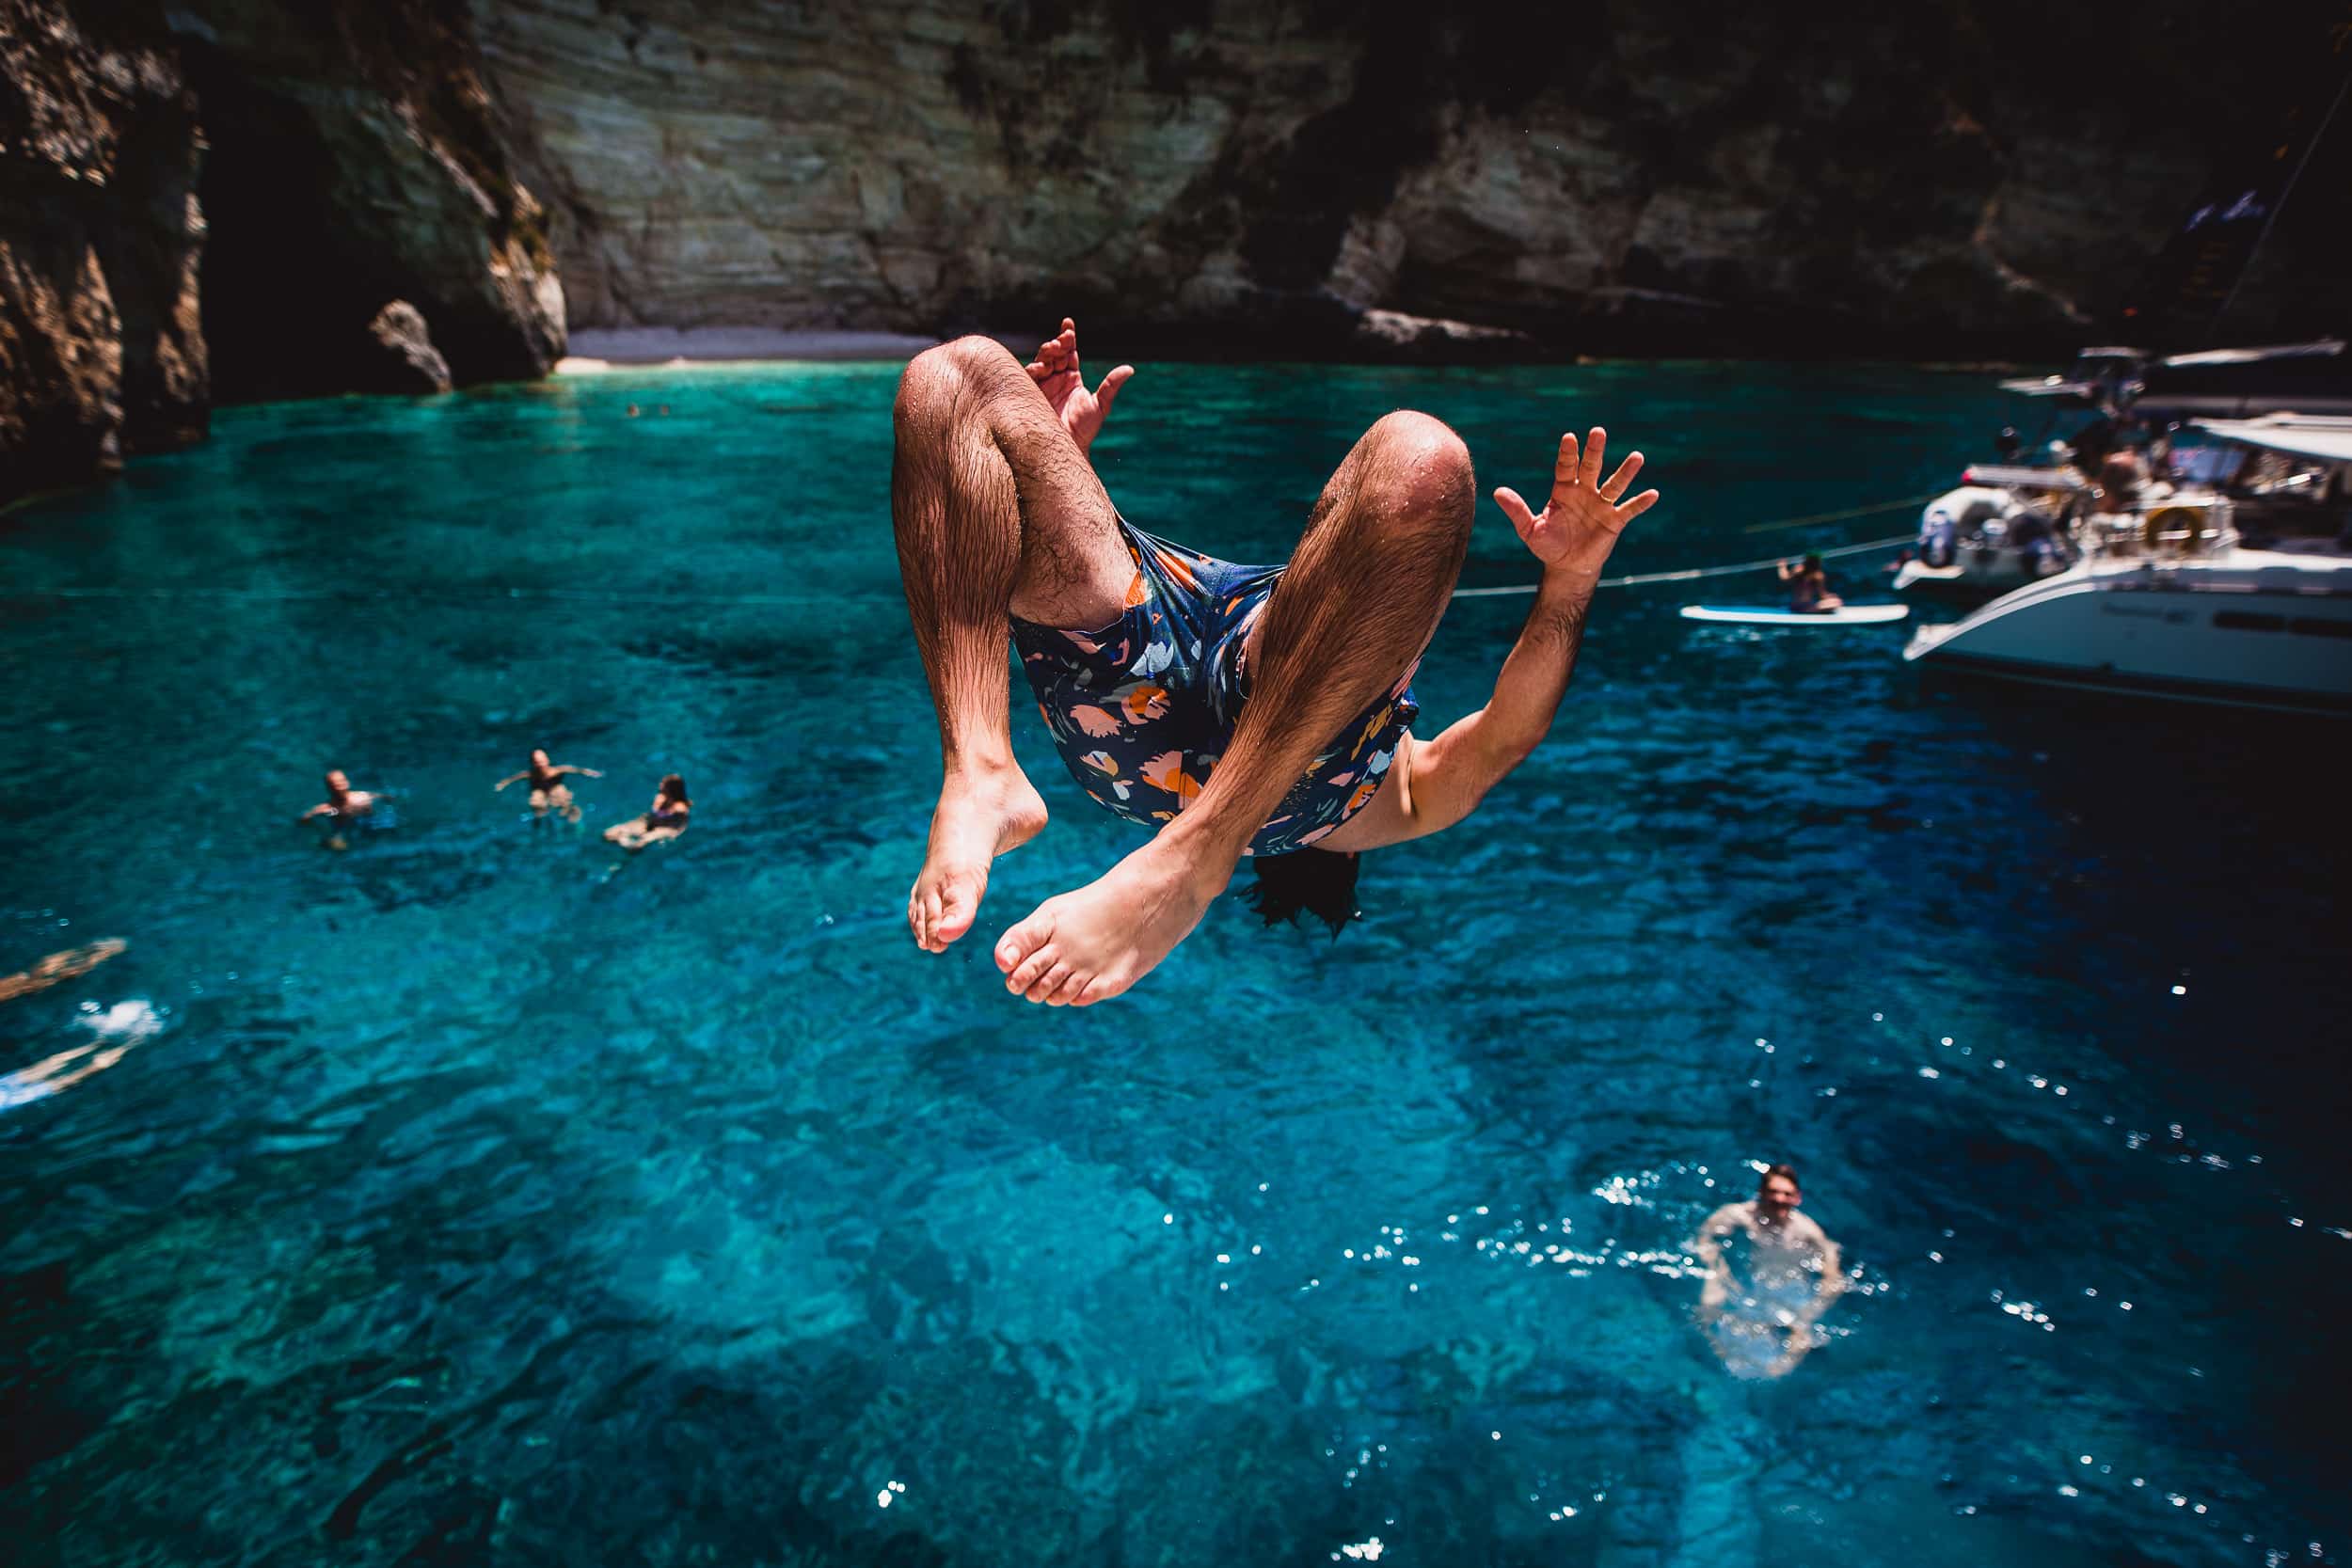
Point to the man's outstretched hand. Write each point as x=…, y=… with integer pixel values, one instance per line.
x=1580, y=524
x=1056, y=372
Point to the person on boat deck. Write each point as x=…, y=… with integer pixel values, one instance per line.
x=663, y=821
x=1259, y=710
x=547, y=789
x=2122, y=475
x=1763, y=1326
x=1808, y=587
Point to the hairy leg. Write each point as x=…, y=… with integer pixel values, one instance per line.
x=1359, y=600
x=995, y=509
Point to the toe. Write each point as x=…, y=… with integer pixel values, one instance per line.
x=1068, y=992
x=1031, y=970
x=1022, y=941
x=1102, y=987
x=959, y=902
x=1050, y=982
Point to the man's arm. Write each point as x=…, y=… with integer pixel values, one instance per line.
x=1708, y=1247
x=1444, y=779
x=1833, y=1282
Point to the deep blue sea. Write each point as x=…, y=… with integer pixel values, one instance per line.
x=480, y=1193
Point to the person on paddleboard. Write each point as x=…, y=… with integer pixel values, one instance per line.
x=1808, y=587
x=1233, y=710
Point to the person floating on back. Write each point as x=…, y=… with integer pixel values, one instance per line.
x=663, y=821
x=1808, y=587
x=66, y=965
x=1260, y=710
x=1762, y=1327
x=342, y=806
x=548, y=792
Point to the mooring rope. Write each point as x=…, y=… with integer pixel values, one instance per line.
x=1693, y=573
x=798, y=601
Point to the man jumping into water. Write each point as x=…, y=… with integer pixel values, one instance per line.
x=1235, y=709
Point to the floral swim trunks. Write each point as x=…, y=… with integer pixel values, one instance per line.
x=1141, y=711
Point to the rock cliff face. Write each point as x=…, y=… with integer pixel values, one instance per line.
x=1993, y=175
x=352, y=162
x=100, y=345
x=240, y=186
x=237, y=189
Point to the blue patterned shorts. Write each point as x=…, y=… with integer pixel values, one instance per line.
x=1141, y=709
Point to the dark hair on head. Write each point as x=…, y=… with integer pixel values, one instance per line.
x=1813, y=562
x=1770, y=1171
x=1321, y=882
x=674, y=787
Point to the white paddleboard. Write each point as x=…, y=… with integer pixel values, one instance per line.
x=1759, y=615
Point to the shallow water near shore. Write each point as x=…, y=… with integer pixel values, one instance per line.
x=482, y=1193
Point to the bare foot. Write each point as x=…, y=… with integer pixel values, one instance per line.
x=1083, y=946
x=981, y=815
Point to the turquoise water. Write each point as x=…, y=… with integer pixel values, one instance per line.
x=480, y=1193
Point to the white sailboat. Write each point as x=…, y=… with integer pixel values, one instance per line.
x=2017, y=522
x=2237, y=593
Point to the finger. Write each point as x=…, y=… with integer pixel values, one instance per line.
x=1514, y=508
x=1594, y=446
x=1635, y=507
x=1564, y=468
x=1111, y=384
x=1623, y=479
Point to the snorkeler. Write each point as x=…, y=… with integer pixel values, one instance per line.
x=1809, y=591
x=663, y=821
x=343, y=804
x=1233, y=709
x=547, y=789
x=1765, y=1328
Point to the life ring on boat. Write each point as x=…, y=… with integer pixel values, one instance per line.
x=2175, y=527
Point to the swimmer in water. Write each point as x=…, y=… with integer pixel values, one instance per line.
x=1765, y=1328
x=49, y=1076
x=548, y=792
x=1229, y=710
x=1809, y=591
x=60, y=966
x=118, y=1028
x=342, y=805
x=663, y=821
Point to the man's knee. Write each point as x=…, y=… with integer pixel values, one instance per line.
x=1422, y=467
x=944, y=369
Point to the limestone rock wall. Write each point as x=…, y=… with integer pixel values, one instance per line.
x=215, y=199
x=351, y=162
x=100, y=345
x=1980, y=176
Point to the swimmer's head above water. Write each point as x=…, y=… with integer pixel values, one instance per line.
x=1778, y=1193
